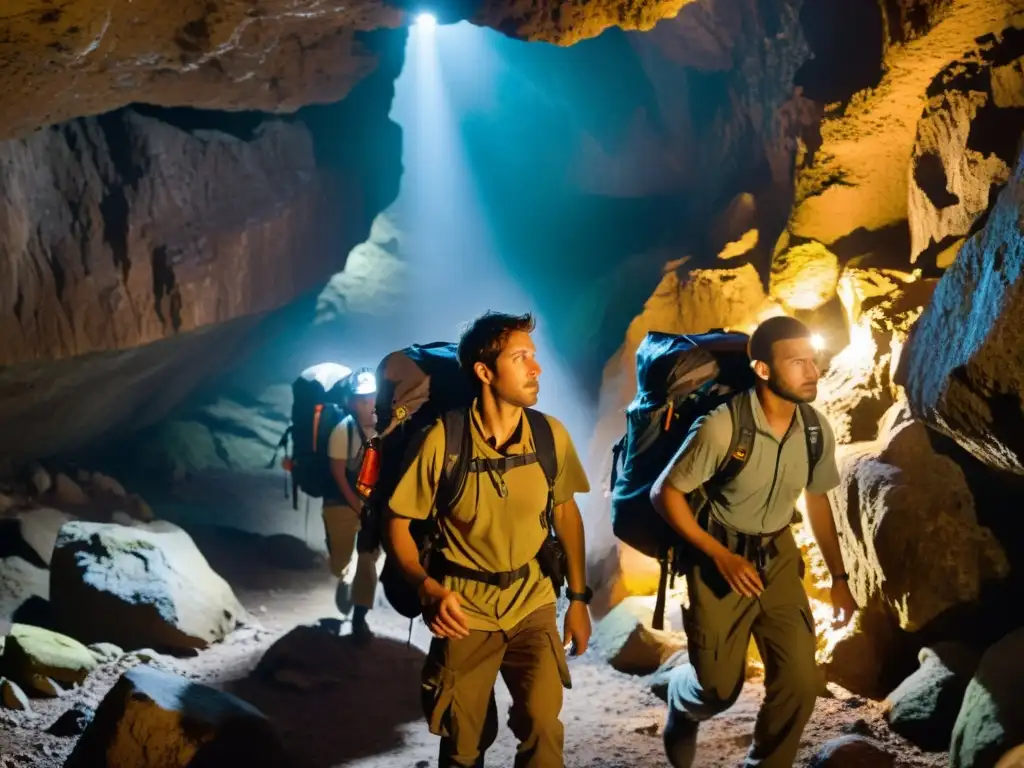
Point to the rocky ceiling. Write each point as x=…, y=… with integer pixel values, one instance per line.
x=181, y=180
x=75, y=58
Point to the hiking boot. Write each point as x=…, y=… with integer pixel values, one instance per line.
x=343, y=598
x=361, y=632
x=680, y=738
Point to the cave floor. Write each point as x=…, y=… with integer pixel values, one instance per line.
x=369, y=717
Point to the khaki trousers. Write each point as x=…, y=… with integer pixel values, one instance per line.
x=342, y=525
x=719, y=624
x=458, y=692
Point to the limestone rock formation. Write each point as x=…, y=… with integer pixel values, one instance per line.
x=146, y=238
x=154, y=718
x=853, y=185
x=962, y=366
x=880, y=306
x=967, y=141
x=268, y=55
x=142, y=587
x=908, y=527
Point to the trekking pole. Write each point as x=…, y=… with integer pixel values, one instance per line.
x=408, y=641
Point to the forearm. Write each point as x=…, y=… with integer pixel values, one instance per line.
x=823, y=528
x=672, y=505
x=569, y=529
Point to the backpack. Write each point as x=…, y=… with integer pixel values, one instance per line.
x=417, y=386
x=318, y=397
x=679, y=379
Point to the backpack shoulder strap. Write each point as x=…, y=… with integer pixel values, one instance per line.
x=543, y=444
x=813, y=435
x=742, y=441
x=458, y=443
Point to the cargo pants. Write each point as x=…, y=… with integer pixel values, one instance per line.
x=342, y=524
x=719, y=623
x=458, y=692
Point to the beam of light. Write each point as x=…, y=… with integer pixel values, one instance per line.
x=426, y=21
x=455, y=268
x=818, y=342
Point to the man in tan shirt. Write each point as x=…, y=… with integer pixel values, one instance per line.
x=497, y=526
x=342, y=507
x=745, y=576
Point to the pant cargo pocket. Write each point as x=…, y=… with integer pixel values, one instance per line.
x=437, y=692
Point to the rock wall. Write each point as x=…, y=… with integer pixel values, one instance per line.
x=142, y=247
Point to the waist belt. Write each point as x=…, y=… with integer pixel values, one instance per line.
x=440, y=567
x=758, y=548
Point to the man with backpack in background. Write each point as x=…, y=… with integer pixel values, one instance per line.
x=744, y=575
x=342, y=507
x=489, y=597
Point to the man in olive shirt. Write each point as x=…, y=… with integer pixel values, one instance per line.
x=496, y=526
x=729, y=597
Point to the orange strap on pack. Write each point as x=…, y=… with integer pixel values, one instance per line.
x=668, y=417
x=316, y=424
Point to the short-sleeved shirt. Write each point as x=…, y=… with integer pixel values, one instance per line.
x=346, y=444
x=762, y=498
x=486, y=531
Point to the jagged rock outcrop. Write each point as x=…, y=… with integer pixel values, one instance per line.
x=142, y=247
x=962, y=366
x=853, y=186
x=908, y=527
x=858, y=387
x=269, y=55
x=967, y=141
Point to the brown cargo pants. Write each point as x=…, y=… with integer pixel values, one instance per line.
x=342, y=524
x=458, y=692
x=719, y=624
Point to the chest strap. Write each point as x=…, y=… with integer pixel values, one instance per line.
x=504, y=464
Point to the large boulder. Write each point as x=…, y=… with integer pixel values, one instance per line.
x=924, y=707
x=155, y=719
x=908, y=527
x=991, y=719
x=142, y=587
x=625, y=640
x=962, y=366
x=32, y=654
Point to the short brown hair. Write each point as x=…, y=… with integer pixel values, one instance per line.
x=485, y=337
x=779, y=328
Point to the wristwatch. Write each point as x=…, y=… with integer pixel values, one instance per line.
x=581, y=597
x=841, y=577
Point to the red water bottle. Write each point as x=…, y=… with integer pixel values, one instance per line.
x=369, y=470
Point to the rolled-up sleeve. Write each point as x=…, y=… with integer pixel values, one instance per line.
x=702, y=452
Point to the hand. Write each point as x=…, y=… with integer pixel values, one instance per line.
x=740, y=573
x=577, y=627
x=843, y=603
x=442, y=612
